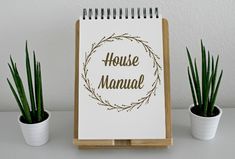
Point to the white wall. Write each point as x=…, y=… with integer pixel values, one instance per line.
x=49, y=28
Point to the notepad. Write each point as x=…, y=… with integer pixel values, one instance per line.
x=121, y=85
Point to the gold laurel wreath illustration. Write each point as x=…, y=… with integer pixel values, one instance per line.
x=104, y=102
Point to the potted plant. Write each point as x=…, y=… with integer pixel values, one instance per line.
x=34, y=120
x=204, y=114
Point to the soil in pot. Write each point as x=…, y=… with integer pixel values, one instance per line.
x=196, y=110
x=24, y=121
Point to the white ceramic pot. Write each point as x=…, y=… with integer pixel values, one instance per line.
x=36, y=134
x=204, y=128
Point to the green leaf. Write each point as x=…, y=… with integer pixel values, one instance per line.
x=20, y=89
x=39, y=107
x=204, y=81
x=30, y=83
x=197, y=78
x=17, y=99
x=216, y=91
x=23, y=96
x=212, y=83
x=208, y=67
x=13, y=74
x=216, y=68
x=194, y=79
x=192, y=88
x=35, y=82
x=208, y=84
x=41, y=92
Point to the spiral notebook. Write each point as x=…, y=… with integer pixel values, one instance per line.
x=122, y=78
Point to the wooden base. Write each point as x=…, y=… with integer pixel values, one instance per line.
x=123, y=143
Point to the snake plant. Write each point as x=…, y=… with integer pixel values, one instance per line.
x=33, y=112
x=204, y=92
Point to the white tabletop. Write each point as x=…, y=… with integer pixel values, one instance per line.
x=61, y=134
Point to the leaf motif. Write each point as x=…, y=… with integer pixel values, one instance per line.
x=105, y=102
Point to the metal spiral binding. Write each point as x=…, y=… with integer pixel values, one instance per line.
x=132, y=13
x=90, y=13
x=84, y=14
x=138, y=13
x=126, y=13
x=156, y=12
x=108, y=13
x=144, y=12
x=114, y=13
x=150, y=13
x=102, y=13
x=120, y=13
x=96, y=13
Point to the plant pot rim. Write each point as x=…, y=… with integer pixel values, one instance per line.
x=203, y=117
x=38, y=123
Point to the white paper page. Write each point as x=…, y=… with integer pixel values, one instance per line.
x=129, y=37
